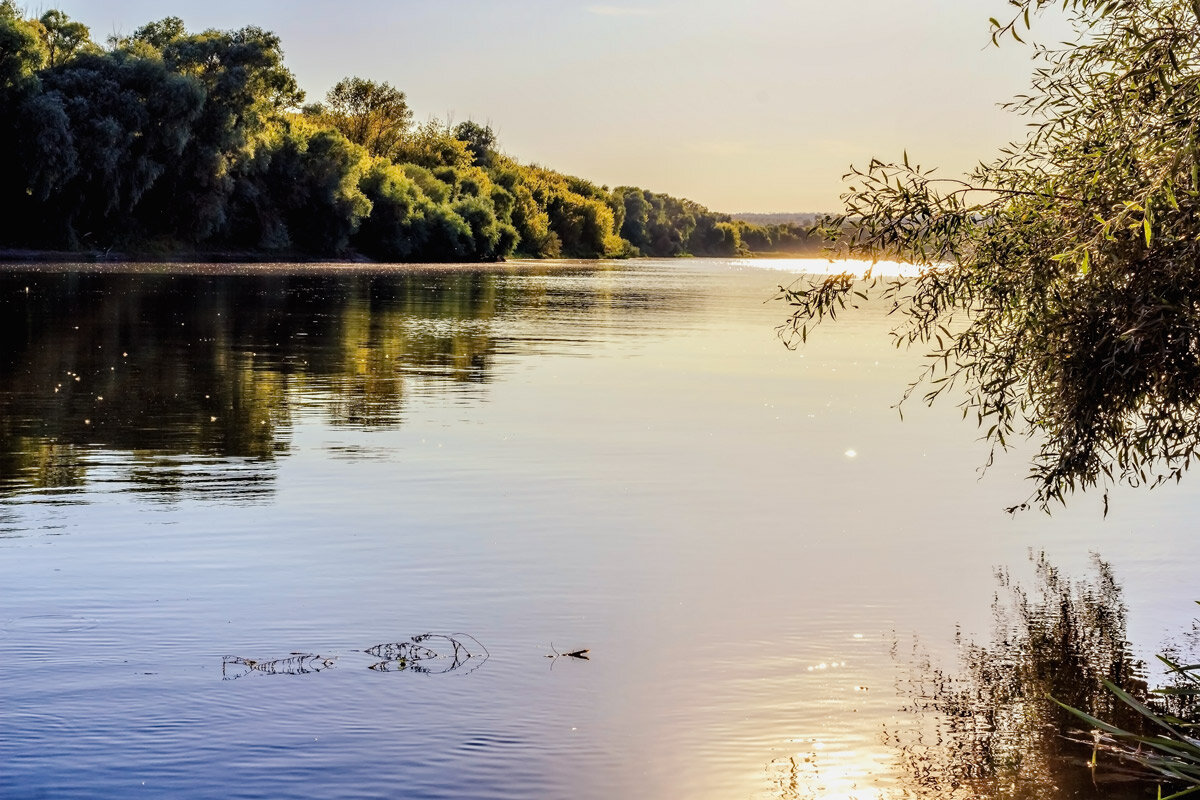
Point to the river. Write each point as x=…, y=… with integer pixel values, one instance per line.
x=231, y=496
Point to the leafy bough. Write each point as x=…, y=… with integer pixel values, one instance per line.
x=1058, y=285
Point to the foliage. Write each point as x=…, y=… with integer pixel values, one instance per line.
x=431, y=145
x=63, y=37
x=301, y=189
x=780, y=237
x=661, y=225
x=22, y=51
x=171, y=140
x=480, y=140
x=245, y=87
x=396, y=227
x=1059, y=289
x=373, y=115
x=101, y=133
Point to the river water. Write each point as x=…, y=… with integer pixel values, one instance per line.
x=230, y=498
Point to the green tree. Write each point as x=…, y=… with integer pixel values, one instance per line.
x=480, y=140
x=63, y=37
x=246, y=89
x=22, y=52
x=527, y=216
x=395, y=229
x=103, y=132
x=171, y=140
x=1060, y=291
x=373, y=115
x=431, y=145
x=715, y=236
x=663, y=226
x=161, y=33
x=300, y=192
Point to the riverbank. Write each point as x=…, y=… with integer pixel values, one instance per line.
x=28, y=256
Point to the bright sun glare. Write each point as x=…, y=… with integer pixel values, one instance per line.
x=827, y=266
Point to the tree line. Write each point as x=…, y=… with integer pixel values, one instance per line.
x=168, y=141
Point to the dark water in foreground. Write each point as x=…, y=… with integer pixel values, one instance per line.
x=229, y=501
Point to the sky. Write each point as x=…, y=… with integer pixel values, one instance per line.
x=749, y=106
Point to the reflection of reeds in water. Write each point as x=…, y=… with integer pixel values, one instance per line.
x=990, y=730
x=791, y=777
x=1170, y=748
x=1180, y=696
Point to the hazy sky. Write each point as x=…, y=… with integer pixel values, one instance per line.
x=756, y=105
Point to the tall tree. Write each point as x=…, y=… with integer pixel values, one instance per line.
x=480, y=140
x=106, y=129
x=373, y=115
x=246, y=89
x=63, y=37
x=22, y=52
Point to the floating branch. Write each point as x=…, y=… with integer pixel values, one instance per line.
x=430, y=653
x=234, y=667
x=401, y=651
x=581, y=655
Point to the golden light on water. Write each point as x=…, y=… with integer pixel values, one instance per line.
x=830, y=770
x=835, y=266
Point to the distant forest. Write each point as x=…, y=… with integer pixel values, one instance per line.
x=806, y=220
x=171, y=142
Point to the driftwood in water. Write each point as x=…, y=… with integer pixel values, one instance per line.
x=234, y=667
x=582, y=654
x=429, y=653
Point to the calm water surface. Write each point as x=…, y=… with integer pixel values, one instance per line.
x=218, y=490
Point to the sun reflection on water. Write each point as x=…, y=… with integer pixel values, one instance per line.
x=831, y=266
x=984, y=730
x=821, y=770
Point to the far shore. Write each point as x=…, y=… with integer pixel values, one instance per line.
x=99, y=259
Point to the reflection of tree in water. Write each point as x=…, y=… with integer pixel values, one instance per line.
x=391, y=332
x=184, y=374
x=989, y=730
